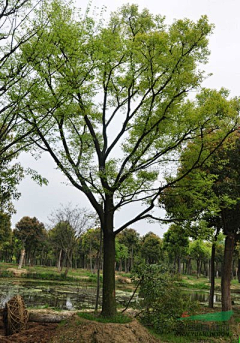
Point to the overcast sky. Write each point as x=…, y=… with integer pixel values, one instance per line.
x=223, y=64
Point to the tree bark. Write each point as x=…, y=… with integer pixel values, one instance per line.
x=212, y=275
x=238, y=272
x=98, y=271
x=227, y=272
x=179, y=265
x=21, y=259
x=59, y=261
x=198, y=268
x=108, y=303
x=51, y=317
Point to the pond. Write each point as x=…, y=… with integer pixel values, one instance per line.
x=75, y=296
x=64, y=296
x=203, y=296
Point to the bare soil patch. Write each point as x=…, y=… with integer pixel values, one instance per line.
x=36, y=333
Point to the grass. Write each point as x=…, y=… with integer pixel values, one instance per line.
x=189, y=281
x=81, y=276
x=119, y=318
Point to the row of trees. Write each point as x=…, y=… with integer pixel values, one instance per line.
x=64, y=246
x=108, y=100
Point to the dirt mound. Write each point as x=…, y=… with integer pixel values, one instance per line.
x=17, y=272
x=80, y=330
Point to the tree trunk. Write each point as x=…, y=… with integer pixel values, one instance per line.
x=98, y=271
x=212, y=275
x=108, y=302
x=179, y=265
x=227, y=272
x=21, y=259
x=132, y=257
x=59, y=261
x=51, y=317
x=68, y=262
x=198, y=268
x=238, y=272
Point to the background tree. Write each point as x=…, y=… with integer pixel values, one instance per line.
x=176, y=243
x=64, y=239
x=130, y=238
x=200, y=251
x=80, y=218
x=108, y=102
x=218, y=200
x=5, y=233
x=151, y=248
x=121, y=254
x=90, y=242
x=225, y=165
x=30, y=232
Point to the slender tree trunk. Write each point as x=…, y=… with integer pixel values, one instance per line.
x=68, y=262
x=238, y=272
x=132, y=257
x=198, y=268
x=227, y=272
x=120, y=265
x=108, y=303
x=21, y=259
x=179, y=265
x=217, y=269
x=212, y=275
x=98, y=271
x=91, y=267
x=59, y=261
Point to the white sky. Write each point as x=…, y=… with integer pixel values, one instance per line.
x=223, y=63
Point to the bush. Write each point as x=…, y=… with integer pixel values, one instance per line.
x=163, y=302
x=6, y=273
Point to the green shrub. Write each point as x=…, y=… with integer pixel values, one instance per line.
x=163, y=302
x=6, y=273
x=93, y=278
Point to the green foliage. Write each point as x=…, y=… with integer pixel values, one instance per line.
x=176, y=242
x=121, y=250
x=93, y=278
x=151, y=248
x=163, y=303
x=30, y=234
x=5, y=229
x=63, y=236
x=6, y=273
x=200, y=250
x=141, y=70
x=10, y=176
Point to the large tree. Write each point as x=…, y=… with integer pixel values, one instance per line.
x=212, y=193
x=15, y=18
x=109, y=104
